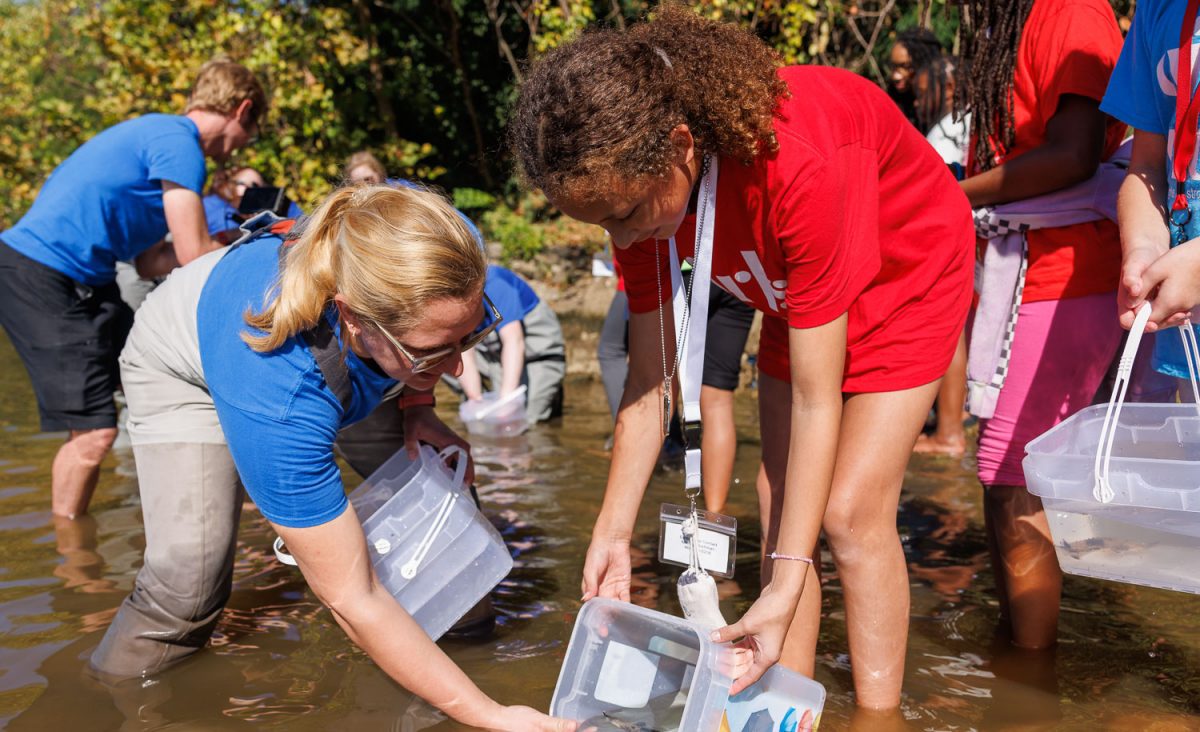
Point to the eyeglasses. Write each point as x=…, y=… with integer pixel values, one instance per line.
x=428, y=361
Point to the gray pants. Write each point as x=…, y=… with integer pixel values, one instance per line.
x=545, y=364
x=191, y=504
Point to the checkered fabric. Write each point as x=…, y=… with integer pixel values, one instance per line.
x=988, y=225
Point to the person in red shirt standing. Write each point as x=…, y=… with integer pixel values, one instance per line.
x=1037, y=70
x=834, y=218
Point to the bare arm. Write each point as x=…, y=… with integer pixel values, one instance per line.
x=512, y=357
x=1142, y=215
x=189, y=233
x=637, y=439
x=1072, y=151
x=470, y=380
x=335, y=562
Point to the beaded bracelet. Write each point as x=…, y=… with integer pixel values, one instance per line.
x=806, y=560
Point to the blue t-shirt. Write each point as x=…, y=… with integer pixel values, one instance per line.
x=278, y=415
x=511, y=295
x=220, y=214
x=1141, y=93
x=104, y=203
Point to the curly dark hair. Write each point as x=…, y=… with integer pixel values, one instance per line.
x=605, y=103
x=989, y=35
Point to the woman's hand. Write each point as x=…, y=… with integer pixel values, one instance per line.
x=524, y=719
x=421, y=424
x=607, y=570
x=762, y=631
x=1172, y=284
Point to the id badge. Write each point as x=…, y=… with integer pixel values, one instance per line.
x=716, y=540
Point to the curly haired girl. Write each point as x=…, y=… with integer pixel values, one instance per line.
x=833, y=217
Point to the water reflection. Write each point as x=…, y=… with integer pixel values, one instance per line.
x=1127, y=658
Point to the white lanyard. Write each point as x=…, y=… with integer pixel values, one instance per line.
x=691, y=364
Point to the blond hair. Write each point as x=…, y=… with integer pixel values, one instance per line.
x=222, y=84
x=389, y=251
x=361, y=158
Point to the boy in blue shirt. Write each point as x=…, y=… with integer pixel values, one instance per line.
x=527, y=349
x=1160, y=255
x=115, y=198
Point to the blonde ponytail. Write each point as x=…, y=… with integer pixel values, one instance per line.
x=389, y=251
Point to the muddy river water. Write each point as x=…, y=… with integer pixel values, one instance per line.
x=1129, y=657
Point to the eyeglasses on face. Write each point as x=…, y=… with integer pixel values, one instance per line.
x=428, y=361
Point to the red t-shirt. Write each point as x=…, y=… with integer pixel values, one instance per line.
x=855, y=213
x=1067, y=47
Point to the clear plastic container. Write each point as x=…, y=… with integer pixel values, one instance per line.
x=495, y=416
x=630, y=666
x=1121, y=487
x=781, y=700
x=429, y=543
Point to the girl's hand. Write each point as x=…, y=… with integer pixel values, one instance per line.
x=421, y=424
x=1173, y=283
x=762, y=631
x=607, y=570
x=524, y=719
x=1133, y=288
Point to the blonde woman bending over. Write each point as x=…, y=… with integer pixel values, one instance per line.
x=247, y=363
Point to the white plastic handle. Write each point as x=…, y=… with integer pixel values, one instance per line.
x=1102, y=490
x=460, y=463
x=501, y=402
x=409, y=570
x=281, y=553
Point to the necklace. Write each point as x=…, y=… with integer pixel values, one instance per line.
x=681, y=337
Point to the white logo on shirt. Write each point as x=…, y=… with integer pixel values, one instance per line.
x=774, y=292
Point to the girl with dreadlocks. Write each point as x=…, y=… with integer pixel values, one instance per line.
x=1037, y=70
x=821, y=207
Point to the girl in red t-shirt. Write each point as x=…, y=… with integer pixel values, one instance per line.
x=1037, y=72
x=834, y=218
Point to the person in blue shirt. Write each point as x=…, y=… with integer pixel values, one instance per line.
x=1161, y=260
x=115, y=198
x=526, y=349
x=241, y=371
x=225, y=196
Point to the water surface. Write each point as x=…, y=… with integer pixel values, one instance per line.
x=1128, y=658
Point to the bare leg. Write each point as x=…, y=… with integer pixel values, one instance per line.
x=77, y=468
x=950, y=437
x=877, y=434
x=775, y=414
x=1027, y=572
x=719, y=445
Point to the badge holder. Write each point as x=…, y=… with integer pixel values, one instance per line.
x=689, y=537
x=716, y=538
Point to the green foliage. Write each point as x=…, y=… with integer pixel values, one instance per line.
x=519, y=237
x=471, y=200
x=424, y=84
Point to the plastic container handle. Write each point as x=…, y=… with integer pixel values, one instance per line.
x=409, y=570
x=1102, y=490
x=500, y=402
x=460, y=463
x=281, y=553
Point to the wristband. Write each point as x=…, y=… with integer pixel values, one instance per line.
x=806, y=560
x=417, y=399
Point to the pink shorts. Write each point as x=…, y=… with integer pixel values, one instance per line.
x=1061, y=352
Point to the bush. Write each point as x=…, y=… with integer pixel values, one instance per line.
x=520, y=239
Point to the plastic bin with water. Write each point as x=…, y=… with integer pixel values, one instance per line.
x=429, y=543
x=781, y=700
x=495, y=416
x=1120, y=484
x=631, y=668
